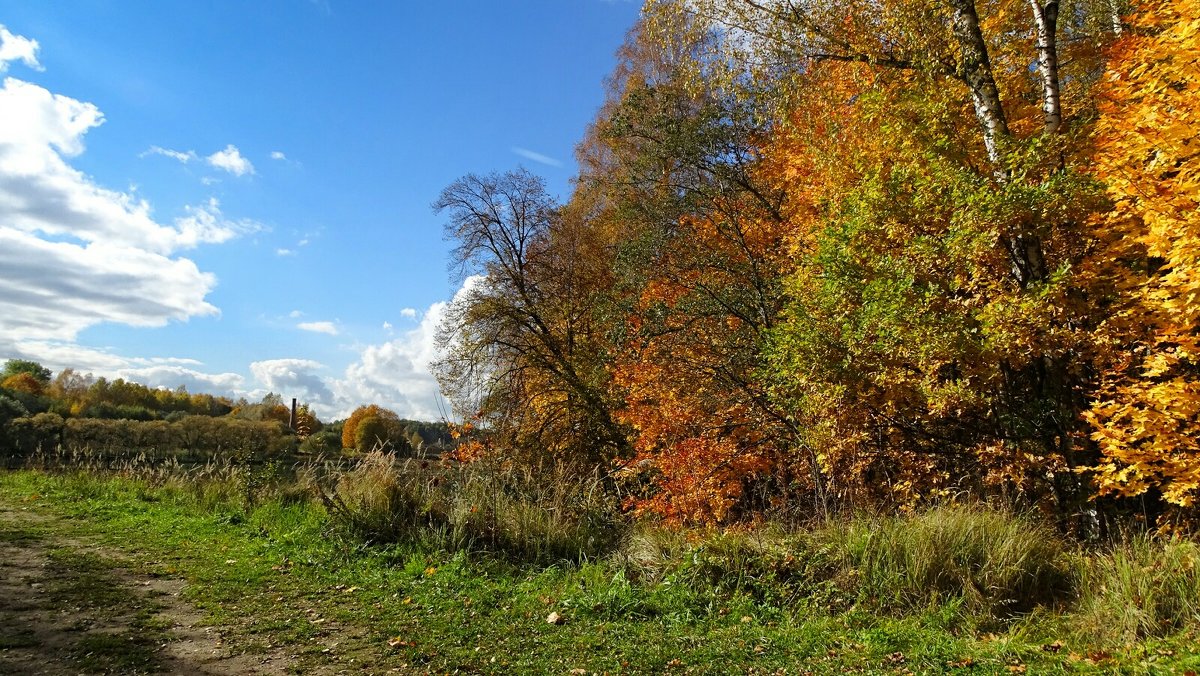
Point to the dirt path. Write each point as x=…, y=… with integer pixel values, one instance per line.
x=71, y=607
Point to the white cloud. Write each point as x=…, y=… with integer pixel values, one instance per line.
x=319, y=327
x=54, y=290
x=285, y=252
x=536, y=157
x=387, y=326
x=278, y=155
x=180, y=155
x=295, y=313
x=74, y=254
x=230, y=159
x=204, y=224
x=295, y=378
x=397, y=374
x=17, y=48
x=168, y=372
x=196, y=382
x=408, y=313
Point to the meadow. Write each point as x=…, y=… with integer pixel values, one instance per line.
x=423, y=567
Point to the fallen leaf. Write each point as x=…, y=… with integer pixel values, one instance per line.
x=555, y=618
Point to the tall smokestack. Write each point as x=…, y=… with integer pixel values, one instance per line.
x=292, y=416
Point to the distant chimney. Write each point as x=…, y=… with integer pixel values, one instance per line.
x=292, y=416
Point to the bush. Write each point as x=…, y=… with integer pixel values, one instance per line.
x=42, y=432
x=325, y=442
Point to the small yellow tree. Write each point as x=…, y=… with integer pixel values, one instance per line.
x=350, y=437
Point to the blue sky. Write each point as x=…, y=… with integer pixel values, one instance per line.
x=235, y=196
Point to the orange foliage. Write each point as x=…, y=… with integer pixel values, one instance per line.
x=24, y=382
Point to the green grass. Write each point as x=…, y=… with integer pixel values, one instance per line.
x=280, y=574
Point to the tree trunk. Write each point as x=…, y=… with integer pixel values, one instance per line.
x=975, y=70
x=1046, y=18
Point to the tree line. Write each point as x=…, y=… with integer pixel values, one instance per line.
x=859, y=254
x=43, y=411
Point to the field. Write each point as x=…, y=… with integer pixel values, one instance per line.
x=142, y=573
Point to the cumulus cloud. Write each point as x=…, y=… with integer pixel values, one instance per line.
x=319, y=327
x=278, y=155
x=171, y=377
x=230, y=159
x=168, y=372
x=295, y=378
x=397, y=374
x=285, y=252
x=408, y=313
x=74, y=254
x=536, y=157
x=54, y=290
x=17, y=48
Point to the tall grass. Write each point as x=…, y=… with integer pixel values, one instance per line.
x=997, y=563
x=984, y=566
x=1140, y=588
x=530, y=514
x=992, y=564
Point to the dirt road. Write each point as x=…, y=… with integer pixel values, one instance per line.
x=68, y=606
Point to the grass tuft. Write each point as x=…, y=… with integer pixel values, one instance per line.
x=1141, y=588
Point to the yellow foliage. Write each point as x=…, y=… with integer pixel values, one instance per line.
x=1148, y=421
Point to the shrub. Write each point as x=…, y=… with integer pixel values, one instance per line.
x=325, y=442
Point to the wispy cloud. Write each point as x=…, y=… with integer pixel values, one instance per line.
x=230, y=159
x=180, y=155
x=536, y=157
x=409, y=313
x=278, y=155
x=319, y=327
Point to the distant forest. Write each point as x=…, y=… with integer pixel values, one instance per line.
x=40, y=410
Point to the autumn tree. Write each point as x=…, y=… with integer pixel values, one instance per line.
x=350, y=433
x=934, y=314
x=520, y=345
x=1148, y=418
x=24, y=382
